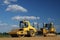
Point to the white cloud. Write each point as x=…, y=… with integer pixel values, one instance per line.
x=6, y=2
x=35, y=23
x=9, y=1
x=50, y=19
x=16, y=8
x=14, y=26
x=25, y=17
x=3, y=24
x=0, y=21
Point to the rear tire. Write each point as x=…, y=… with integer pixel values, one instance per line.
x=21, y=36
x=31, y=33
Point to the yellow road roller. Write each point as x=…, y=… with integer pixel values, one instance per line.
x=25, y=29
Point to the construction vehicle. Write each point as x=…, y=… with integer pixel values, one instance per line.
x=25, y=28
x=48, y=30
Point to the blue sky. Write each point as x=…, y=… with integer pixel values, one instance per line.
x=36, y=10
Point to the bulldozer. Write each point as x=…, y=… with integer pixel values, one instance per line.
x=48, y=30
x=25, y=29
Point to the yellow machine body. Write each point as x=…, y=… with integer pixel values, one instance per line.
x=48, y=30
x=25, y=30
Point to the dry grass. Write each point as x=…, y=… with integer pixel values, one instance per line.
x=33, y=38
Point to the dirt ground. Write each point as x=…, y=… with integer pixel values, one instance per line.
x=32, y=38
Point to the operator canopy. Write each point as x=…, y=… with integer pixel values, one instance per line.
x=23, y=24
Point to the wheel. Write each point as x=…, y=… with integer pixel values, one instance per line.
x=21, y=35
x=31, y=33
